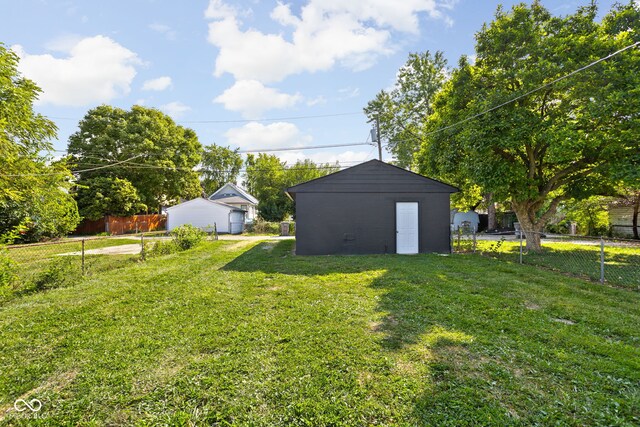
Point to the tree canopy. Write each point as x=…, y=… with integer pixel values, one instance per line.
x=267, y=178
x=219, y=165
x=34, y=198
x=101, y=196
x=401, y=112
x=557, y=143
x=142, y=146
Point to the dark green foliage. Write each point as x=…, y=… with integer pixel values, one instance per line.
x=158, y=156
x=557, y=143
x=401, y=112
x=101, y=196
x=219, y=166
x=268, y=178
x=34, y=200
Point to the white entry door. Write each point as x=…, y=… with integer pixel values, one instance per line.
x=407, y=228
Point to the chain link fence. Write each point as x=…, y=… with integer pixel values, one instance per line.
x=38, y=266
x=609, y=261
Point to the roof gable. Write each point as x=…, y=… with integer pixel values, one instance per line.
x=230, y=188
x=373, y=176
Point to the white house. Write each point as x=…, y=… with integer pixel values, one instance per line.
x=233, y=195
x=204, y=214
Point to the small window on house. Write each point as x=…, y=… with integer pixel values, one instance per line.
x=243, y=207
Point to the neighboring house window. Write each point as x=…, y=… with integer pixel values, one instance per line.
x=243, y=207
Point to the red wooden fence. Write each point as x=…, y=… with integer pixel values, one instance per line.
x=121, y=225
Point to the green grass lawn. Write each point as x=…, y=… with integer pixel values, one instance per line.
x=244, y=333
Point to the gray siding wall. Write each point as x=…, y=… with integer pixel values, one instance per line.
x=365, y=223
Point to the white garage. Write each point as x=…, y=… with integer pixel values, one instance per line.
x=204, y=214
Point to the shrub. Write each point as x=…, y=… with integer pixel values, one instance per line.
x=60, y=272
x=187, y=236
x=260, y=226
x=160, y=248
x=7, y=273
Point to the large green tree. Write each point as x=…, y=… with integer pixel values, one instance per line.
x=143, y=146
x=101, y=196
x=34, y=198
x=401, y=112
x=219, y=165
x=551, y=145
x=267, y=178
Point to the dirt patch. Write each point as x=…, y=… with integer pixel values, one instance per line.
x=132, y=249
x=268, y=246
x=565, y=321
x=532, y=306
x=238, y=245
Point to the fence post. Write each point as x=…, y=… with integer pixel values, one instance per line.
x=474, y=240
x=142, y=245
x=215, y=230
x=520, y=233
x=83, y=257
x=601, y=260
x=459, y=236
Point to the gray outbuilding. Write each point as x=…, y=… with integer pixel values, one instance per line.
x=372, y=208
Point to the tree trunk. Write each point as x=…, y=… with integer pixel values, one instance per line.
x=634, y=221
x=531, y=228
x=491, y=212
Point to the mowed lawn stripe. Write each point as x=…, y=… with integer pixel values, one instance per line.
x=253, y=335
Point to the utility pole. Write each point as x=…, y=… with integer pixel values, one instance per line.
x=375, y=136
x=378, y=138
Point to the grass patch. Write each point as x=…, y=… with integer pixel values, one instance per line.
x=242, y=335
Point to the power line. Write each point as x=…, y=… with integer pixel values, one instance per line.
x=272, y=119
x=533, y=90
x=266, y=150
x=124, y=164
x=78, y=171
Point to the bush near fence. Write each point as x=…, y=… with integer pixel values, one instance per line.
x=610, y=261
x=269, y=228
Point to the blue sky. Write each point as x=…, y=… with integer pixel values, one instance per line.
x=235, y=71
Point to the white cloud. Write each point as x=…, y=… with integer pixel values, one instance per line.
x=175, y=109
x=161, y=83
x=165, y=30
x=96, y=69
x=251, y=98
x=318, y=100
x=327, y=33
x=348, y=92
x=259, y=136
x=218, y=10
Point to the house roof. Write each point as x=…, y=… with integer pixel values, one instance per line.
x=234, y=200
x=240, y=192
x=233, y=208
x=373, y=176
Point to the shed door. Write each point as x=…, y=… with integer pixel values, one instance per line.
x=407, y=228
